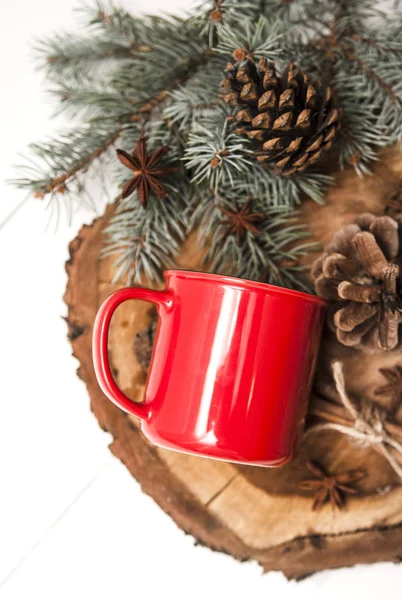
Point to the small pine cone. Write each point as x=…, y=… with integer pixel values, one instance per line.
x=290, y=120
x=359, y=274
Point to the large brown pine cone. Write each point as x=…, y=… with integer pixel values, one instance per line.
x=359, y=274
x=291, y=120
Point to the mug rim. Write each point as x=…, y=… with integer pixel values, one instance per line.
x=246, y=283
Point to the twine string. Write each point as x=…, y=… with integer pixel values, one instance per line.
x=368, y=428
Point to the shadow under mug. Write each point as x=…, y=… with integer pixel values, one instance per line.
x=231, y=369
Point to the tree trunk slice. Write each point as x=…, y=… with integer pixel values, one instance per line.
x=249, y=512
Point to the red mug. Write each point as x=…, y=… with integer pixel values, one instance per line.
x=231, y=369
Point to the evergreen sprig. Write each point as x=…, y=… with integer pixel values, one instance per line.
x=127, y=75
x=59, y=166
x=270, y=252
x=145, y=240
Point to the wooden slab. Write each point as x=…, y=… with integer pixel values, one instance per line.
x=249, y=512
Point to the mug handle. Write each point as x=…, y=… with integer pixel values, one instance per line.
x=164, y=302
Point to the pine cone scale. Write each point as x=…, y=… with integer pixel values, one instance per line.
x=359, y=293
x=326, y=288
x=385, y=230
x=352, y=315
x=388, y=330
x=337, y=266
x=371, y=254
x=354, y=337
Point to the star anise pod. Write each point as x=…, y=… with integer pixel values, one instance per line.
x=241, y=220
x=146, y=173
x=330, y=488
x=393, y=387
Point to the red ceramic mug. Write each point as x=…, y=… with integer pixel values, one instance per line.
x=231, y=369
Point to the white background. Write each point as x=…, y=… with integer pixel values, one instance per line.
x=73, y=523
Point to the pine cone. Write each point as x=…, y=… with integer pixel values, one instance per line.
x=291, y=121
x=359, y=273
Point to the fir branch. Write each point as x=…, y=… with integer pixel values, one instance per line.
x=96, y=100
x=149, y=65
x=261, y=38
x=187, y=106
x=215, y=154
x=116, y=35
x=89, y=144
x=225, y=12
x=197, y=99
x=270, y=253
x=370, y=73
x=144, y=242
x=60, y=163
x=66, y=55
x=159, y=75
x=280, y=192
x=64, y=165
x=304, y=19
x=383, y=47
